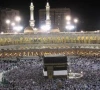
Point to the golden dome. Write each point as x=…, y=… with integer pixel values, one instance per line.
x=29, y=30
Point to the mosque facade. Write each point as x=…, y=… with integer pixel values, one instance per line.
x=33, y=42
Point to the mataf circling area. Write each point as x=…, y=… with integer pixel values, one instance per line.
x=27, y=74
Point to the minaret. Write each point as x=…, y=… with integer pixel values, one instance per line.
x=48, y=21
x=32, y=21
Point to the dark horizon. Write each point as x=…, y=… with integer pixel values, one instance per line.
x=87, y=11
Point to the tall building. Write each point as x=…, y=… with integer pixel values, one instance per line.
x=57, y=17
x=30, y=28
x=7, y=13
x=32, y=21
x=48, y=21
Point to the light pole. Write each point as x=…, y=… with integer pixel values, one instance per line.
x=8, y=23
x=68, y=18
x=71, y=23
x=68, y=23
x=75, y=21
x=70, y=27
x=18, y=19
x=17, y=28
x=12, y=24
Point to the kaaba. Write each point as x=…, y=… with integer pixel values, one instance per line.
x=55, y=66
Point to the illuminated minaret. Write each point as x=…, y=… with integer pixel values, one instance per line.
x=32, y=21
x=48, y=21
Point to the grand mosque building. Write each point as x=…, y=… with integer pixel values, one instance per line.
x=33, y=42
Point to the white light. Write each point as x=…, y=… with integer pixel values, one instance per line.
x=17, y=18
x=35, y=29
x=45, y=28
x=2, y=32
x=68, y=18
x=68, y=22
x=18, y=28
x=75, y=20
x=97, y=31
x=81, y=72
x=12, y=24
x=70, y=27
x=82, y=31
x=15, y=33
x=8, y=21
x=70, y=70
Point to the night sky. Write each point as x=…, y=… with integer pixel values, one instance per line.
x=88, y=11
